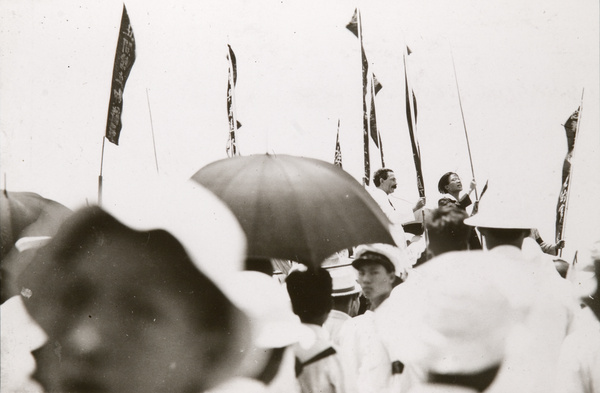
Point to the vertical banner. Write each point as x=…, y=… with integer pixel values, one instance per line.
x=571, y=127
x=124, y=59
x=373, y=130
x=234, y=125
x=355, y=27
x=411, y=118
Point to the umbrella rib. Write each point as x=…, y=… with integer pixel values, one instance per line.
x=296, y=210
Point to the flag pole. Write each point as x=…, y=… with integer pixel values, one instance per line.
x=464, y=124
x=564, y=224
x=411, y=118
x=100, y=176
x=152, y=128
x=367, y=164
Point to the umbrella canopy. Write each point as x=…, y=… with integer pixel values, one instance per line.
x=24, y=215
x=296, y=208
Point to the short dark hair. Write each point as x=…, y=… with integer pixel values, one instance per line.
x=310, y=293
x=447, y=230
x=505, y=235
x=444, y=181
x=379, y=175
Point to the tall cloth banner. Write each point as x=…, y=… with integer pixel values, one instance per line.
x=234, y=125
x=411, y=118
x=355, y=26
x=571, y=128
x=373, y=130
x=337, y=159
x=124, y=59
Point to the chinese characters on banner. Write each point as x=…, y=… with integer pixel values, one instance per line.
x=124, y=59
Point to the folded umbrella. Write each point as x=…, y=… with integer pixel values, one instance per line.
x=296, y=208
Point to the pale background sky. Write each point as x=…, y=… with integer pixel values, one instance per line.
x=521, y=67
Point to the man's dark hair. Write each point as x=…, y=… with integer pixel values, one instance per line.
x=447, y=230
x=310, y=293
x=381, y=174
x=505, y=235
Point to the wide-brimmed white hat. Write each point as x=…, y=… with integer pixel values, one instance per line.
x=455, y=317
x=504, y=210
x=204, y=225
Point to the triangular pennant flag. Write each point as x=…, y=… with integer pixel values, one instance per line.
x=378, y=86
x=353, y=24
x=337, y=159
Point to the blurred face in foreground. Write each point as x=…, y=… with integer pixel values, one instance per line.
x=375, y=281
x=126, y=318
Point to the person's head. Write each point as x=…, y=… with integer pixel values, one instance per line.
x=376, y=274
x=446, y=230
x=385, y=179
x=449, y=183
x=131, y=295
x=310, y=293
x=274, y=325
x=128, y=309
x=454, y=321
x=345, y=290
x=495, y=237
x=586, y=276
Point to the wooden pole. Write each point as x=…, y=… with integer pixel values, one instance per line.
x=100, y=176
x=152, y=128
x=464, y=125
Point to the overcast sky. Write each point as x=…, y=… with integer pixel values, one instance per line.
x=521, y=68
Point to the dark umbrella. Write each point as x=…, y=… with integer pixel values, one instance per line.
x=296, y=208
x=24, y=215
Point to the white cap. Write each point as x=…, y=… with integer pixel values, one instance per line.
x=396, y=255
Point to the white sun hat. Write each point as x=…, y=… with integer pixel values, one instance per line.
x=455, y=317
x=203, y=224
x=505, y=210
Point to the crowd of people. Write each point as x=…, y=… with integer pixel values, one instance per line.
x=157, y=294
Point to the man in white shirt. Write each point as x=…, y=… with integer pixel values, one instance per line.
x=318, y=364
x=366, y=359
x=385, y=183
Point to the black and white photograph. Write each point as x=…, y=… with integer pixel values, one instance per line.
x=391, y=196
